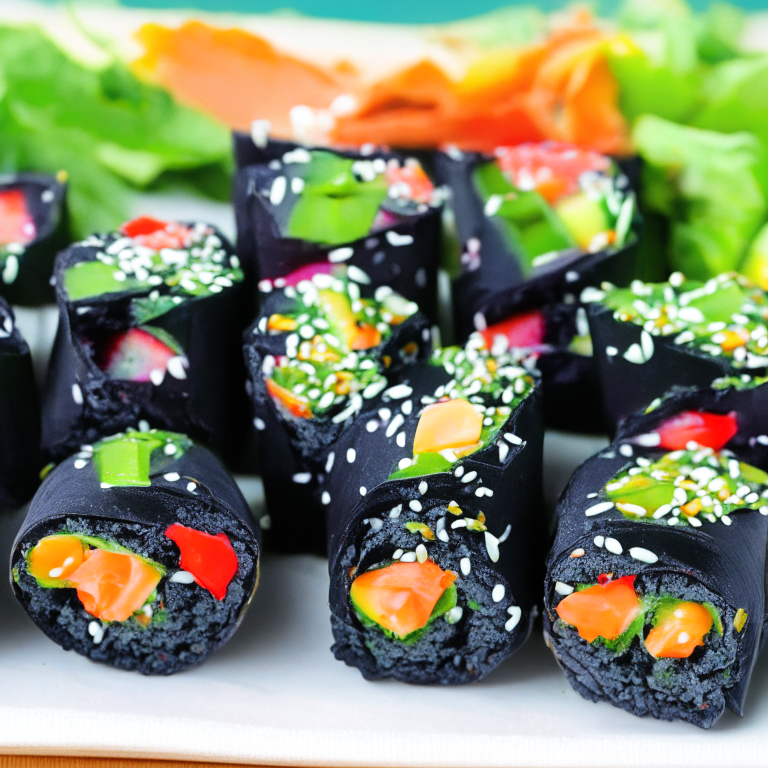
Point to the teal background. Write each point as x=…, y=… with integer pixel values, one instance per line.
x=404, y=11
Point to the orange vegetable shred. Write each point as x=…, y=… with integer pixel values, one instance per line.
x=401, y=596
x=605, y=610
x=448, y=424
x=679, y=631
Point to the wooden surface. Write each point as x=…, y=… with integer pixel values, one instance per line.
x=52, y=761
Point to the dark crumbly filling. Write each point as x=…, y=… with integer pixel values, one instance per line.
x=188, y=623
x=445, y=653
x=692, y=689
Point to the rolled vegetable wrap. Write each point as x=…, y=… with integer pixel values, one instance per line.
x=33, y=229
x=306, y=210
x=150, y=322
x=435, y=523
x=651, y=337
x=316, y=356
x=19, y=415
x=655, y=582
x=535, y=224
x=139, y=552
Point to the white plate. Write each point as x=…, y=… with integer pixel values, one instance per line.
x=276, y=696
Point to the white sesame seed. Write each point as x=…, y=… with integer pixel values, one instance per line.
x=143, y=425
x=625, y=449
x=423, y=487
x=408, y=557
x=363, y=490
x=376, y=523
x=351, y=455
x=643, y=555
x=512, y=438
x=96, y=631
x=598, y=509
x=191, y=487
x=498, y=593
x=599, y=541
x=80, y=463
x=325, y=498
x=77, y=394
x=612, y=545
x=503, y=452
x=459, y=524
x=465, y=566
x=415, y=505
x=404, y=463
x=172, y=477
x=397, y=554
x=459, y=471
x=340, y=254
x=399, y=391
x=492, y=546
x=170, y=449
x=400, y=439
x=302, y=478
x=563, y=589
x=372, y=426
x=504, y=536
x=469, y=477
x=396, y=239
x=182, y=577
x=515, y=613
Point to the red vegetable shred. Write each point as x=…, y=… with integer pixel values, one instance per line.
x=709, y=430
x=210, y=559
x=16, y=223
x=524, y=330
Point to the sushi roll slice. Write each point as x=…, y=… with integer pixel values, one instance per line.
x=139, y=552
x=655, y=584
x=19, y=416
x=150, y=322
x=316, y=356
x=302, y=211
x=536, y=223
x=435, y=522
x=651, y=337
x=33, y=229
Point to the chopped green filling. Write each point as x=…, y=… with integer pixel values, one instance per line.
x=685, y=487
x=726, y=316
x=334, y=206
x=529, y=224
x=202, y=269
x=333, y=344
x=126, y=460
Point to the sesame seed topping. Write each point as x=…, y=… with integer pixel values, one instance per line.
x=612, y=545
x=465, y=566
x=563, y=589
x=497, y=595
x=515, y=614
x=172, y=477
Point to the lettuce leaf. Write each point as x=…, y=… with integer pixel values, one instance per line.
x=106, y=129
x=714, y=187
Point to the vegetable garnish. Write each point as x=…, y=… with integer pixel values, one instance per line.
x=210, y=559
x=678, y=629
x=16, y=224
x=137, y=355
x=605, y=610
x=400, y=597
x=55, y=558
x=685, y=487
x=525, y=331
x=156, y=234
x=708, y=430
x=112, y=586
x=448, y=424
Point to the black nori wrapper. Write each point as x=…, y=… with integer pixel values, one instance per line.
x=492, y=286
x=208, y=404
x=195, y=624
x=628, y=387
x=404, y=257
x=19, y=416
x=473, y=647
x=46, y=202
x=293, y=450
x=723, y=564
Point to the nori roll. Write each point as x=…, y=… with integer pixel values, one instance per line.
x=535, y=224
x=436, y=529
x=301, y=211
x=139, y=552
x=651, y=337
x=33, y=229
x=655, y=585
x=150, y=322
x=315, y=356
x=19, y=416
